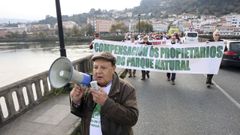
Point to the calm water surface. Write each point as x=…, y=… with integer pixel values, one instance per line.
x=17, y=63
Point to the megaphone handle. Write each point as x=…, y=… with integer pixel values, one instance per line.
x=83, y=85
x=67, y=87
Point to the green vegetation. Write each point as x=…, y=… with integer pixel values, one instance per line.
x=206, y=7
x=119, y=27
x=144, y=27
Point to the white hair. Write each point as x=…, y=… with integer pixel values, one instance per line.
x=216, y=32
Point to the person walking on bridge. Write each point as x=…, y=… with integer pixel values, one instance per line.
x=132, y=72
x=216, y=38
x=96, y=36
x=144, y=72
x=172, y=76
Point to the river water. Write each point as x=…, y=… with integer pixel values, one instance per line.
x=20, y=60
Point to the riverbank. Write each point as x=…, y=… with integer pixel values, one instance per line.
x=55, y=39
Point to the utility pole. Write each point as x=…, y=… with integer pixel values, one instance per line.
x=139, y=23
x=60, y=29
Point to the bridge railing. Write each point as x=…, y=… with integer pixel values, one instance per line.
x=17, y=98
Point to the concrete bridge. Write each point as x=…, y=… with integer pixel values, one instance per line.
x=31, y=106
x=187, y=108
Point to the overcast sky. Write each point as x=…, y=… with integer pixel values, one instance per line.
x=38, y=9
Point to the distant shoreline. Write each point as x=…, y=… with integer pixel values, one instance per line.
x=83, y=39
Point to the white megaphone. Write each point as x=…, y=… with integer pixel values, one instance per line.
x=62, y=72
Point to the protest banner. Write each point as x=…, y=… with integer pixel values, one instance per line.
x=196, y=58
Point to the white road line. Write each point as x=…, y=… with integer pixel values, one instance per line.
x=227, y=95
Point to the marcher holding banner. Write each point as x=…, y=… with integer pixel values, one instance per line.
x=96, y=36
x=197, y=58
x=132, y=72
x=216, y=38
x=172, y=76
x=144, y=72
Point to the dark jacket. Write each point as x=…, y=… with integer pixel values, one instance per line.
x=118, y=114
x=212, y=40
x=91, y=45
x=147, y=43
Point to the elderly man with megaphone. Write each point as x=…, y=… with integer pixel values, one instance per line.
x=112, y=108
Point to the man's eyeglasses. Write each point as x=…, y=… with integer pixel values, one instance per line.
x=217, y=34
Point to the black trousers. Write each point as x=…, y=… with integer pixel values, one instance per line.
x=144, y=73
x=209, y=78
x=132, y=72
x=171, y=76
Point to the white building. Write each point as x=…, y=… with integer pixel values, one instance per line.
x=207, y=28
x=159, y=26
x=129, y=14
x=67, y=25
x=233, y=20
x=186, y=16
x=226, y=30
x=39, y=27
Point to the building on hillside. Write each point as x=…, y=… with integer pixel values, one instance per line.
x=130, y=25
x=3, y=32
x=233, y=20
x=103, y=26
x=159, y=26
x=187, y=16
x=207, y=28
x=21, y=28
x=92, y=22
x=209, y=21
x=67, y=25
x=228, y=30
x=129, y=14
x=237, y=31
x=39, y=27
x=189, y=25
x=196, y=25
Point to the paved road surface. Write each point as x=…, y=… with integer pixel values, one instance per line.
x=187, y=108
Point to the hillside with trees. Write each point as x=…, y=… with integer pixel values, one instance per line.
x=206, y=7
x=160, y=8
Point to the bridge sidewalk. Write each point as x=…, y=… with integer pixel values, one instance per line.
x=52, y=117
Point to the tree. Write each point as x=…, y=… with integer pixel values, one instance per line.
x=88, y=30
x=42, y=35
x=144, y=27
x=76, y=31
x=24, y=34
x=119, y=27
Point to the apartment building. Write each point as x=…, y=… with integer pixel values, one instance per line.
x=67, y=25
x=103, y=26
x=233, y=19
x=159, y=26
